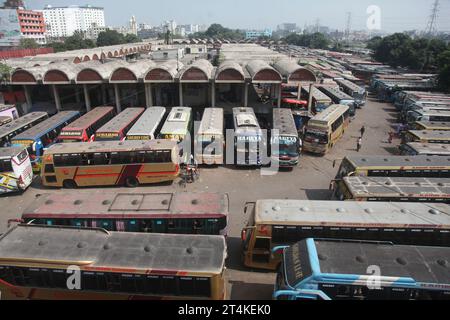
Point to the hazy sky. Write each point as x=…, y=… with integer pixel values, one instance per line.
x=396, y=15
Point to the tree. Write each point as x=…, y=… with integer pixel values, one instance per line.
x=314, y=41
x=77, y=41
x=218, y=31
x=444, y=70
x=110, y=38
x=131, y=38
x=26, y=43
x=5, y=73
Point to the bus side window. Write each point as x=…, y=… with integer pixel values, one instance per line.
x=262, y=243
x=6, y=166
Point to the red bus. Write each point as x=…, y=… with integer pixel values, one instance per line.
x=117, y=128
x=83, y=129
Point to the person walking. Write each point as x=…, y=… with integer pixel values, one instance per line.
x=363, y=130
x=359, y=144
x=391, y=137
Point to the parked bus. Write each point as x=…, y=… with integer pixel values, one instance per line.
x=175, y=213
x=320, y=101
x=210, y=138
x=395, y=166
x=178, y=126
x=117, y=128
x=425, y=136
x=148, y=125
x=274, y=223
x=339, y=97
x=337, y=270
x=287, y=153
x=358, y=93
x=12, y=129
x=393, y=189
x=249, y=138
x=113, y=265
x=42, y=135
x=426, y=115
x=16, y=173
x=424, y=149
x=5, y=120
x=83, y=129
x=325, y=129
x=9, y=111
x=111, y=163
x=429, y=125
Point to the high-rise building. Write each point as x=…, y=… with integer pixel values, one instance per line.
x=133, y=26
x=32, y=25
x=63, y=22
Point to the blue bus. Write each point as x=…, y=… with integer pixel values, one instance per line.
x=355, y=270
x=42, y=135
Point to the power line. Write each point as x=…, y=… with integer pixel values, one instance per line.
x=432, y=22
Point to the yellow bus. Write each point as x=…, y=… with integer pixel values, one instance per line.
x=427, y=136
x=46, y=262
x=275, y=223
x=430, y=125
x=111, y=163
x=325, y=129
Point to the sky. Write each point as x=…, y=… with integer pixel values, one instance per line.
x=396, y=15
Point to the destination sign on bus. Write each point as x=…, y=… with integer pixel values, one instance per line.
x=24, y=142
x=138, y=138
x=284, y=140
x=249, y=138
x=106, y=135
x=71, y=133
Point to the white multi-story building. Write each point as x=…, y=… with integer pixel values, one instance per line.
x=65, y=21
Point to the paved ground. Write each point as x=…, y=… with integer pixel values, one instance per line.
x=309, y=181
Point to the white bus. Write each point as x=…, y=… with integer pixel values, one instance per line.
x=210, y=139
x=178, y=127
x=427, y=115
x=357, y=92
x=425, y=149
x=248, y=137
x=287, y=153
x=16, y=172
x=148, y=125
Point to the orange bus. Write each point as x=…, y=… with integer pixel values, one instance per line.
x=118, y=127
x=111, y=163
x=83, y=129
x=67, y=263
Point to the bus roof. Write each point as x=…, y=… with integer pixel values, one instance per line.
x=4, y=107
x=245, y=121
x=330, y=114
x=5, y=120
x=13, y=126
x=110, y=146
x=283, y=120
x=351, y=213
x=431, y=112
x=46, y=126
x=431, y=134
x=97, y=248
x=433, y=125
x=366, y=187
x=148, y=122
x=122, y=120
x=409, y=265
x=177, y=121
x=350, y=85
x=212, y=122
x=437, y=149
x=336, y=93
x=89, y=119
x=398, y=161
x=129, y=205
x=8, y=152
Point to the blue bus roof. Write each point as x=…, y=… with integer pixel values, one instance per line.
x=46, y=126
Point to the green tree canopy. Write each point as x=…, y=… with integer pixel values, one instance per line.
x=5, y=73
x=314, y=41
x=76, y=42
x=444, y=70
x=131, y=38
x=28, y=44
x=110, y=38
x=218, y=31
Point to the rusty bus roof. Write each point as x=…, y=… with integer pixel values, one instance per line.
x=129, y=205
x=110, y=146
x=9, y=152
x=120, y=121
x=97, y=248
x=13, y=126
x=283, y=120
x=89, y=118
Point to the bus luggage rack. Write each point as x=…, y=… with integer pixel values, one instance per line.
x=142, y=202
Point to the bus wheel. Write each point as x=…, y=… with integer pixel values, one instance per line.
x=69, y=184
x=131, y=182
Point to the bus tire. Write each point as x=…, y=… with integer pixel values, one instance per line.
x=69, y=184
x=132, y=182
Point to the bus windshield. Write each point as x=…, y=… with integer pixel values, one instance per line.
x=288, y=146
x=316, y=136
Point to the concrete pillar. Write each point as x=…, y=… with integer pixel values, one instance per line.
x=246, y=95
x=148, y=95
x=87, y=98
x=279, y=95
x=310, y=98
x=213, y=95
x=299, y=93
x=57, y=99
x=117, y=95
x=28, y=98
x=180, y=92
